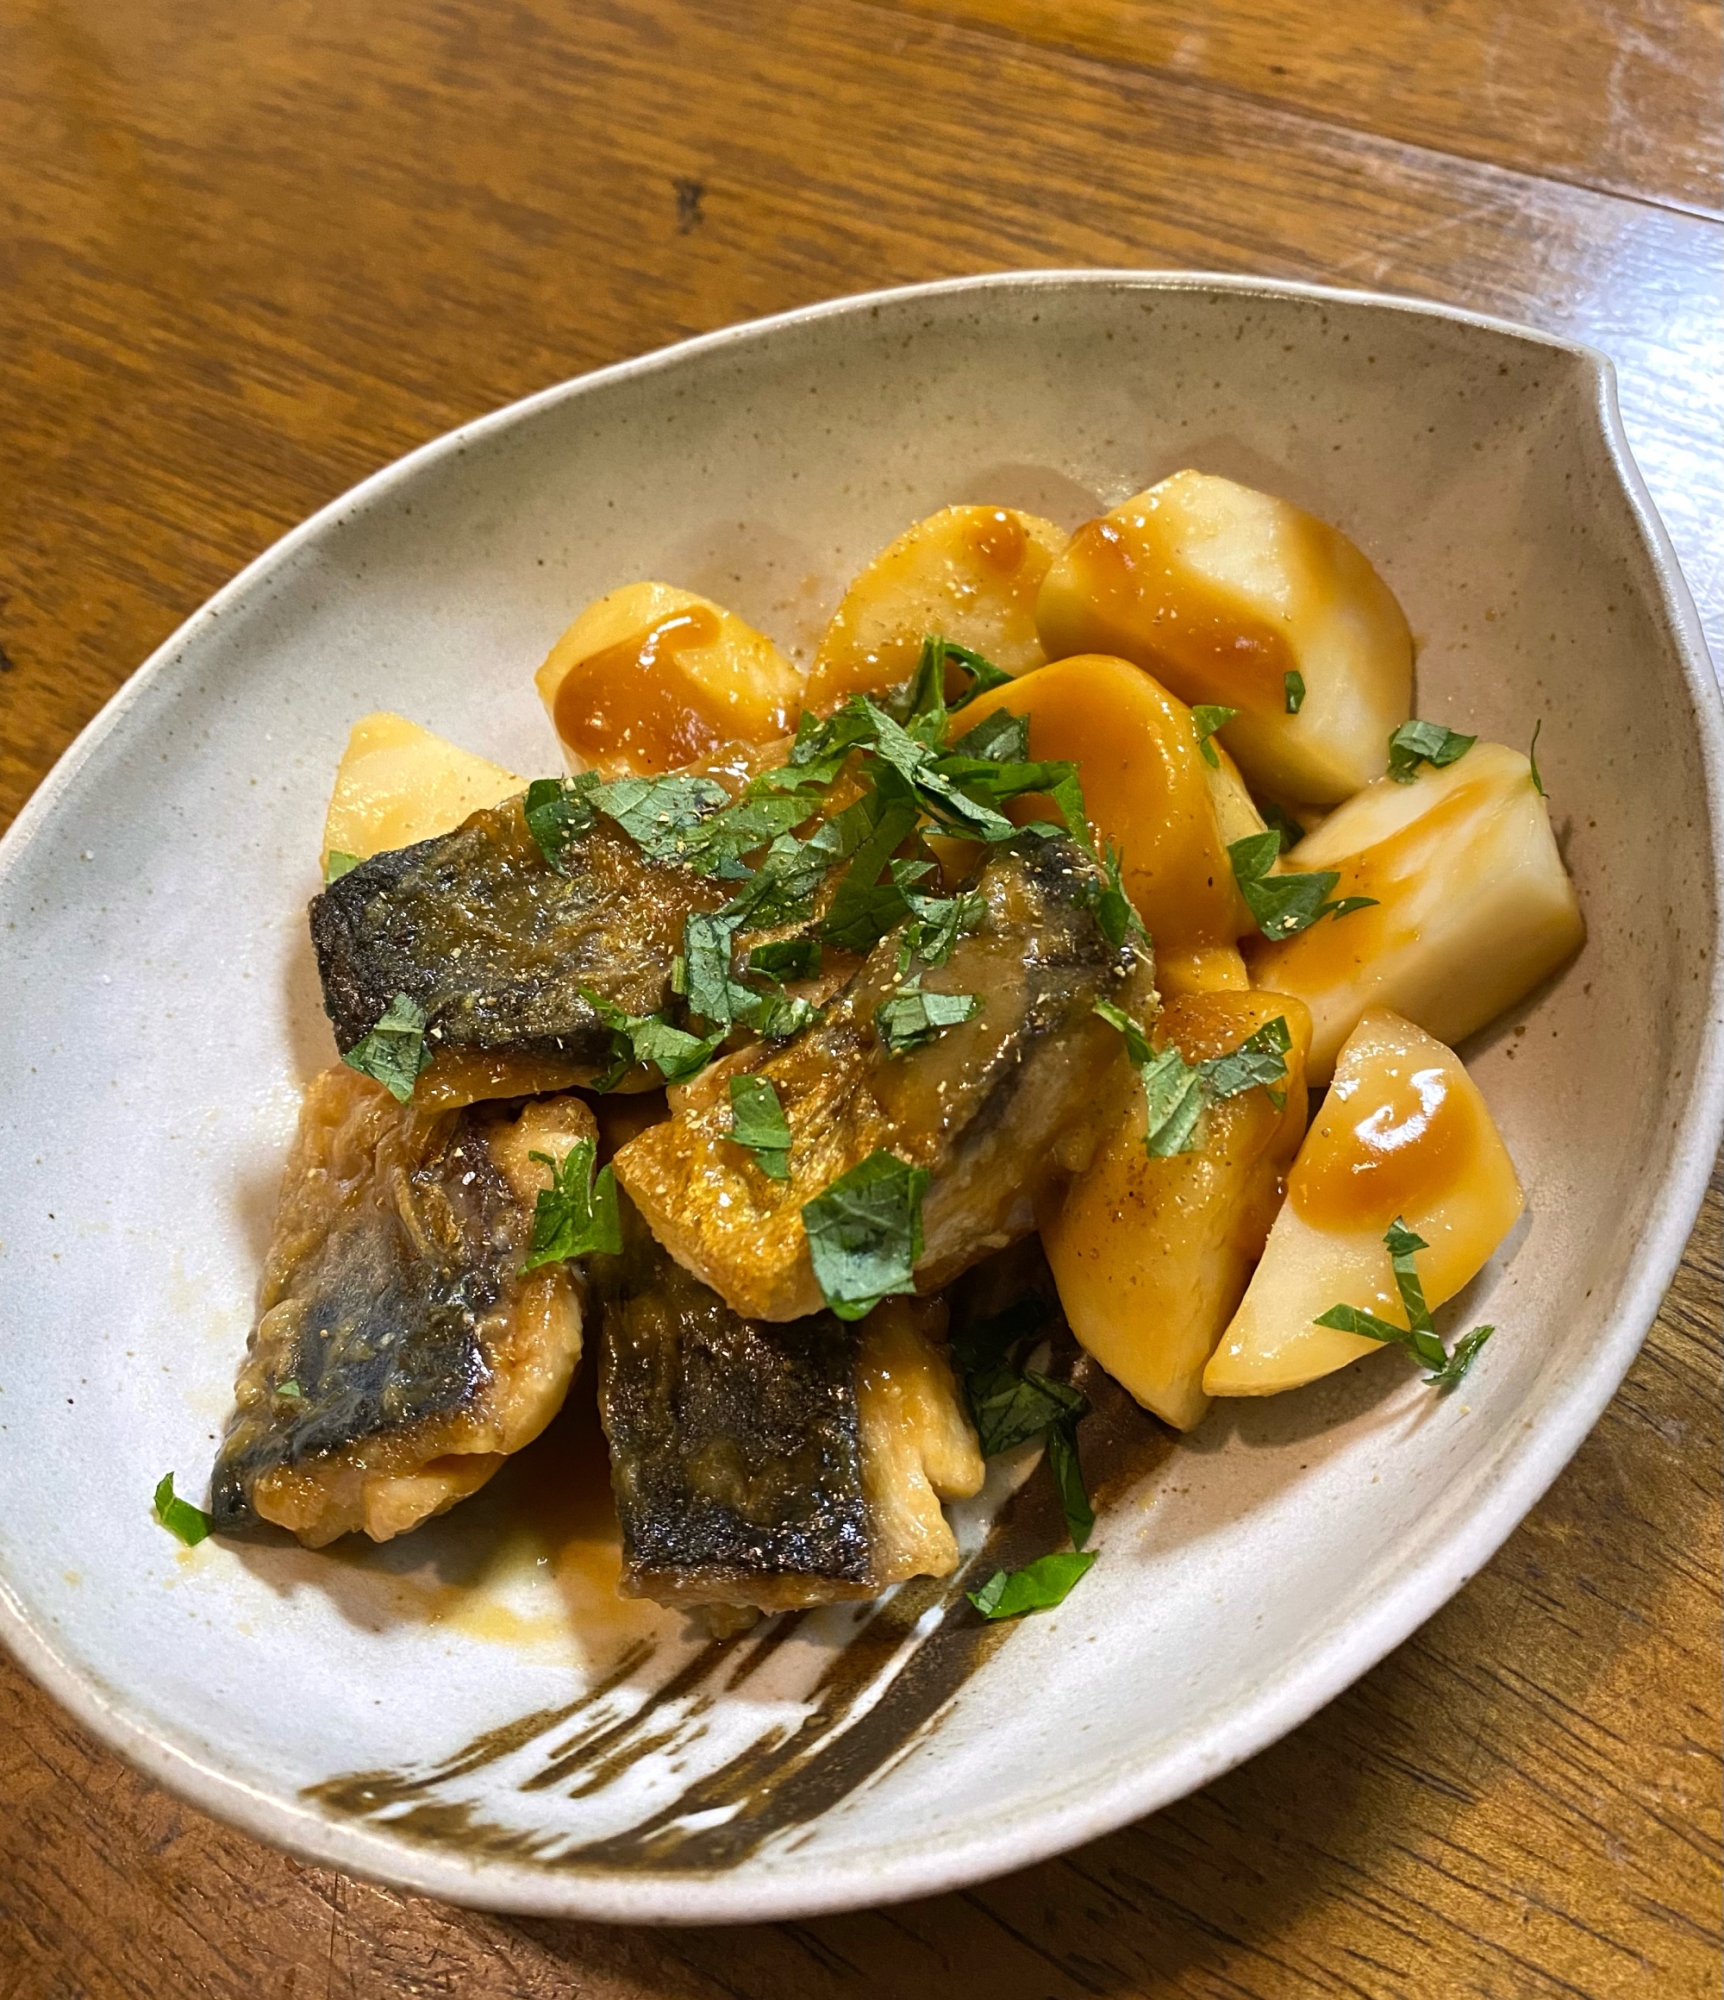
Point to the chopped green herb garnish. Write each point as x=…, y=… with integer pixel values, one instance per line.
x=708, y=941
x=923, y=700
x=577, y=1214
x=865, y=1233
x=1000, y=738
x=780, y=1016
x=793, y=958
x=757, y=1121
x=649, y=1038
x=1173, y=1102
x=864, y=909
x=336, y=864
x=394, y=1053
x=675, y=1053
x=1287, y=829
x=1206, y=718
x=1532, y=759
x=1012, y=1406
x=1293, y=686
x=1416, y=743
x=190, y=1524
x=912, y=1017
x=290, y=1391
x=1419, y=1335
x=1176, y=1093
x=1114, y=910
x=1260, y=1059
x=1068, y=1477
x=1284, y=905
x=661, y=815
x=558, y=811
x=939, y=921
x=1038, y=1586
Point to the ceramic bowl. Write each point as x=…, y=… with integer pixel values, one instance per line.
x=471, y=1711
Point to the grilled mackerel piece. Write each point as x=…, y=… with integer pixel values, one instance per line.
x=495, y=944
x=773, y=1465
x=398, y=1356
x=994, y=1107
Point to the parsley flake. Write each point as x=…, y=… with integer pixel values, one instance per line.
x=1260, y=1059
x=558, y=811
x=757, y=1121
x=1419, y=1335
x=1038, y=1586
x=649, y=1038
x=938, y=922
x=1177, y=1093
x=394, y=1052
x=792, y=958
x=188, y=1523
x=1115, y=912
x=1206, y=718
x=1287, y=829
x=1416, y=743
x=577, y=1214
x=1293, y=690
x=1010, y=1403
x=912, y=1017
x=1284, y=905
x=865, y=1233
x=336, y=864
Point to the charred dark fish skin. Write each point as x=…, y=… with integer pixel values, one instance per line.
x=495, y=944
x=395, y=1331
x=735, y=1450
x=992, y=1107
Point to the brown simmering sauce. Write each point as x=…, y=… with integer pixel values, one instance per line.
x=1144, y=601
x=1361, y=1171
x=624, y=704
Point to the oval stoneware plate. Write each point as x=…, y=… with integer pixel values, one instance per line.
x=471, y=1711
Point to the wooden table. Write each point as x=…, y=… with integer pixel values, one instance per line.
x=251, y=252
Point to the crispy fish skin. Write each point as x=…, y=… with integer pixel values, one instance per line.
x=772, y=1465
x=399, y=1356
x=991, y=1107
x=495, y=944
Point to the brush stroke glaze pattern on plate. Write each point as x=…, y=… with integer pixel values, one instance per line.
x=471, y=1711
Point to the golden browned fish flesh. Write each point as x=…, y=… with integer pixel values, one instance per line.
x=399, y=1355
x=990, y=1106
x=772, y=1464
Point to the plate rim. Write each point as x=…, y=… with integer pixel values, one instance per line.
x=1339, y=1651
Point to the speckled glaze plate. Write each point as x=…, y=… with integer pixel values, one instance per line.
x=471, y=1711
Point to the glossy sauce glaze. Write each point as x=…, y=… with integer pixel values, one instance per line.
x=1146, y=795
x=1390, y=872
x=628, y=705
x=1142, y=600
x=999, y=541
x=1375, y=1152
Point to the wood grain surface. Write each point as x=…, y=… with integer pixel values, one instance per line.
x=248, y=254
